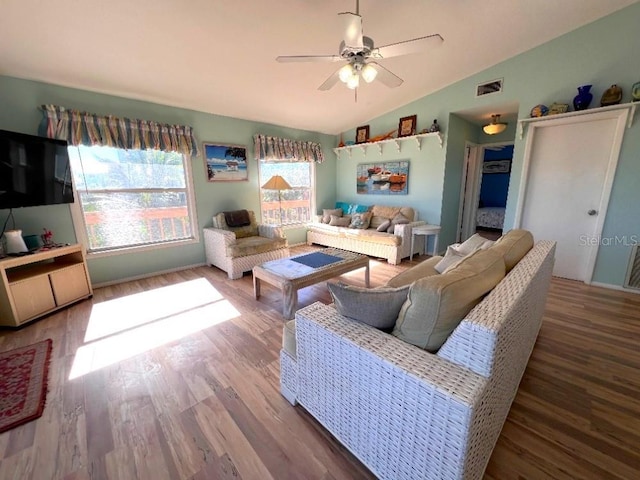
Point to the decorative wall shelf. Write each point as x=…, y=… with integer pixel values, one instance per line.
x=525, y=121
x=419, y=138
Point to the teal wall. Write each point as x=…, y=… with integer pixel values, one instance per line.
x=19, y=101
x=601, y=53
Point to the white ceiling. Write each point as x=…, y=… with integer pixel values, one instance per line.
x=218, y=56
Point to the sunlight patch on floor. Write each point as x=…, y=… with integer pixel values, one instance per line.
x=132, y=325
x=113, y=316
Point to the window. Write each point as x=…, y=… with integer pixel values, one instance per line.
x=287, y=207
x=131, y=198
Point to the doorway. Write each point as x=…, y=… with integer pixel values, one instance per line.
x=485, y=183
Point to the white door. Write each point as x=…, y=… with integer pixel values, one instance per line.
x=570, y=165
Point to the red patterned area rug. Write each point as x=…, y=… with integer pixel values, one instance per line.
x=23, y=383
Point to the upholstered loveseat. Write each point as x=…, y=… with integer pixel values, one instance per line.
x=335, y=228
x=238, y=248
x=408, y=413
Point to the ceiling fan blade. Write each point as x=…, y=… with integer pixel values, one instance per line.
x=308, y=58
x=386, y=77
x=417, y=45
x=331, y=81
x=352, y=30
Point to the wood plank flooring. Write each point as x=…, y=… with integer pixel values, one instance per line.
x=177, y=377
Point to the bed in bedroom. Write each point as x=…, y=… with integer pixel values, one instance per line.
x=490, y=217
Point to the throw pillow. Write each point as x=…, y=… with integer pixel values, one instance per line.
x=452, y=257
x=399, y=219
x=350, y=208
x=360, y=220
x=437, y=304
x=378, y=307
x=471, y=244
x=513, y=245
x=339, y=221
x=327, y=212
x=383, y=226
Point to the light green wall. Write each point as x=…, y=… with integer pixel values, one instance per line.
x=601, y=53
x=19, y=101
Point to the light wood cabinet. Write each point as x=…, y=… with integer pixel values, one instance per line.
x=35, y=285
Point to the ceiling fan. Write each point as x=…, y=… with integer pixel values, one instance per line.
x=360, y=52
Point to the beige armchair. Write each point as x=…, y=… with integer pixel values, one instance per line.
x=237, y=249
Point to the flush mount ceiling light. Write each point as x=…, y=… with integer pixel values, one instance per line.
x=496, y=126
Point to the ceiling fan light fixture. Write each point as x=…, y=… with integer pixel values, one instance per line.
x=354, y=81
x=345, y=73
x=369, y=73
x=495, y=127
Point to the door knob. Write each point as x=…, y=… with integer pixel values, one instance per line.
x=592, y=212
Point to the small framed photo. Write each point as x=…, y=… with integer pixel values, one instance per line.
x=407, y=126
x=496, y=166
x=487, y=88
x=362, y=134
x=225, y=163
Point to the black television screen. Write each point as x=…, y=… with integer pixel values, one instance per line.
x=33, y=171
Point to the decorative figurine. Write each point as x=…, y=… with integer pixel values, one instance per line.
x=47, y=237
x=611, y=96
x=434, y=126
x=635, y=92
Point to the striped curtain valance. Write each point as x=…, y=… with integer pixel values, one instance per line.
x=82, y=128
x=283, y=149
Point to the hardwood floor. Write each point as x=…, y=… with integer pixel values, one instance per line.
x=176, y=377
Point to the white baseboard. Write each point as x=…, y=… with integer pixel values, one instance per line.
x=147, y=275
x=615, y=287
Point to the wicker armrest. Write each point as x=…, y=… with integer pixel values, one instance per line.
x=270, y=231
x=356, y=338
x=404, y=230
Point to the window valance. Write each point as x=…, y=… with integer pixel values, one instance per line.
x=82, y=128
x=283, y=149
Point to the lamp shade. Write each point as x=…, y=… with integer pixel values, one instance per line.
x=276, y=183
x=495, y=126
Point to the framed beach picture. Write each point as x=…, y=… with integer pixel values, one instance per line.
x=225, y=163
x=384, y=178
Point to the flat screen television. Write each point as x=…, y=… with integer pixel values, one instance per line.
x=34, y=171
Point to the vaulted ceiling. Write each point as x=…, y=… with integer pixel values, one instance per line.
x=219, y=56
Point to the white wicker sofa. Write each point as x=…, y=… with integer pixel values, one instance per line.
x=407, y=413
x=238, y=249
x=393, y=246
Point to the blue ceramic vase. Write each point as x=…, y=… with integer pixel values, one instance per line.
x=583, y=99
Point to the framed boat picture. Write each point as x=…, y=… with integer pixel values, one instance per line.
x=385, y=178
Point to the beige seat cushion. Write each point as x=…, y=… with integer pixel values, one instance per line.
x=289, y=338
x=253, y=245
x=410, y=275
x=513, y=245
x=438, y=303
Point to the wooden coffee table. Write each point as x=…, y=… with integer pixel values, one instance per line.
x=289, y=276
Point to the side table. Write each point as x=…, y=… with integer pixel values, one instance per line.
x=425, y=230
